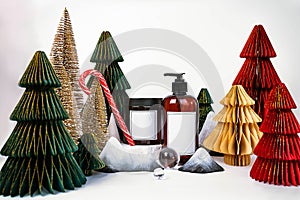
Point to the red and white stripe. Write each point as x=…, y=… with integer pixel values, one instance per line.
x=110, y=99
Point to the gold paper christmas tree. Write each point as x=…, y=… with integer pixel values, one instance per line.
x=236, y=133
x=64, y=59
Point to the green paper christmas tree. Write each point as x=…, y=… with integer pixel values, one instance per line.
x=40, y=148
x=87, y=155
x=106, y=56
x=205, y=101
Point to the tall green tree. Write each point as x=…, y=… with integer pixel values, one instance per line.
x=107, y=56
x=40, y=147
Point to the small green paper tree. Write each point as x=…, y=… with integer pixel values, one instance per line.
x=204, y=101
x=40, y=148
x=87, y=155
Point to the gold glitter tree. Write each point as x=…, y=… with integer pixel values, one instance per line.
x=65, y=94
x=94, y=116
x=64, y=59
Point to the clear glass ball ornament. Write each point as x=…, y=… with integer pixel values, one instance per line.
x=168, y=158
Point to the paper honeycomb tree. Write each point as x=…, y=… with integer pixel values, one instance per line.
x=236, y=133
x=40, y=148
x=204, y=101
x=278, y=151
x=87, y=155
x=257, y=74
x=106, y=56
x=64, y=59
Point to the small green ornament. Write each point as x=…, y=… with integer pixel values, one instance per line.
x=205, y=101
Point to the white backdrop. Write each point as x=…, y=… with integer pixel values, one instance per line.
x=220, y=28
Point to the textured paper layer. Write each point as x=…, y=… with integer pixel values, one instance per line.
x=40, y=148
x=236, y=132
x=278, y=158
x=257, y=74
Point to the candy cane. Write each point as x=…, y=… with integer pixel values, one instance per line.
x=110, y=99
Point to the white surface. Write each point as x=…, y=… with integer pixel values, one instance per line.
x=232, y=184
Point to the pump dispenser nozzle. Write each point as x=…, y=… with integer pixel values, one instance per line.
x=179, y=86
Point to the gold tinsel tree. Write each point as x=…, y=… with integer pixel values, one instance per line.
x=64, y=59
x=94, y=117
x=65, y=94
x=236, y=133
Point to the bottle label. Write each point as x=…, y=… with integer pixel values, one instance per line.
x=181, y=130
x=143, y=125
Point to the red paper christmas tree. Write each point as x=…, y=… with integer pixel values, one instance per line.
x=257, y=74
x=278, y=151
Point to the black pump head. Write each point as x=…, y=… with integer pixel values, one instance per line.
x=179, y=86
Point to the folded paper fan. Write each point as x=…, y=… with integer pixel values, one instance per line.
x=280, y=98
x=268, y=77
x=287, y=147
x=257, y=74
x=237, y=96
x=106, y=49
x=278, y=158
x=281, y=121
x=258, y=44
x=236, y=133
x=210, y=140
x=285, y=173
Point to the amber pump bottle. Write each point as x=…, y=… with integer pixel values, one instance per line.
x=180, y=119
